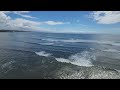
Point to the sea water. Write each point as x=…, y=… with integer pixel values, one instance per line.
x=59, y=55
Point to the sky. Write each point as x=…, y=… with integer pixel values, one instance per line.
x=62, y=21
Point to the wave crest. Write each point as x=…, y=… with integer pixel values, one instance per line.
x=81, y=59
x=43, y=53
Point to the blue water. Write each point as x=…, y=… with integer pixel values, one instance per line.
x=58, y=55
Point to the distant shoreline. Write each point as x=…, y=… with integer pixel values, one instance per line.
x=13, y=31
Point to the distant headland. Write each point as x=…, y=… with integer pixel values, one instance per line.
x=13, y=31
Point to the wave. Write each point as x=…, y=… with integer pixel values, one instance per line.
x=37, y=38
x=112, y=50
x=81, y=59
x=88, y=73
x=19, y=50
x=81, y=40
x=7, y=64
x=44, y=43
x=50, y=41
x=92, y=41
x=43, y=53
x=115, y=44
x=70, y=40
x=47, y=43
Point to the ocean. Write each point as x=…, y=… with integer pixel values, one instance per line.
x=38, y=55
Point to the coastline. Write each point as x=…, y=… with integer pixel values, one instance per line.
x=13, y=31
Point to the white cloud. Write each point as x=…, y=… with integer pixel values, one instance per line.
x=22, y=11
x=22, y=14
x=26, y=16
x=4, y=18
x=23, y=23
x=106, y=17
x=5, y=11
x=6, y=22
x=53, y=23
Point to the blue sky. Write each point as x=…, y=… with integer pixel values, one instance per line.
x=62, y=21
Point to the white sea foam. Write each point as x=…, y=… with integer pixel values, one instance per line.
x=43, y=53
x=46, y=43
x=81, y=59
x=90, y=73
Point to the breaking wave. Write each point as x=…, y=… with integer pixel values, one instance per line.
x=81, y=59
x=43, y=53
x=84, y=58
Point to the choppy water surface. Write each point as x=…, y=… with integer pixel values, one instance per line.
x=59, y=56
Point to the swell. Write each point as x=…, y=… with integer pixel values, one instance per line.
x=28, y=42
x=12, y=49
x=64, y=48
x=83, y=41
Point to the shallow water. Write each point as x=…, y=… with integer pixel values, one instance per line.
x=64, y=56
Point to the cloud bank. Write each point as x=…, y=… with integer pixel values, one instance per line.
x=7, y=22
x=106, y=17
